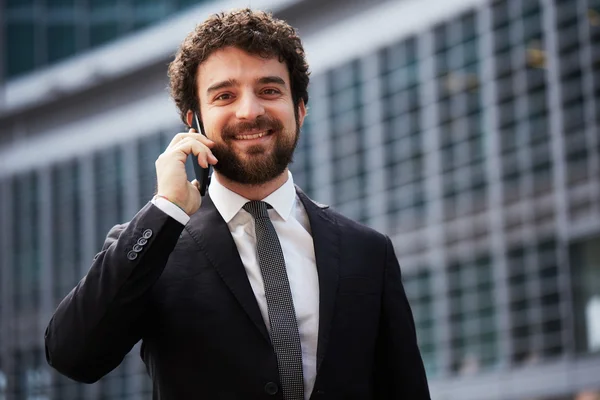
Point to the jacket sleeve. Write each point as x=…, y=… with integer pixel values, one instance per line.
x=399, y=370
x=103, y=317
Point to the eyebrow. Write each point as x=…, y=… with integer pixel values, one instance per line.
x=232, y=82
x=271, y=79
x=221, y=85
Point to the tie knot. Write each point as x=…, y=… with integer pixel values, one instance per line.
x=258, y=209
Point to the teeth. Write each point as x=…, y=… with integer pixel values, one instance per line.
x=255, y=136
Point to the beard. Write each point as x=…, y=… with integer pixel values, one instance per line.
x=260, y=165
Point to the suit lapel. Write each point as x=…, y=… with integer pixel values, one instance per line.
x=212, y=234
x=326, y=239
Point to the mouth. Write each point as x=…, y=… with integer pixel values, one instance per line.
x=253, y=136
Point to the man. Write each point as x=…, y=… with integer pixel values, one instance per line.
x=254, y=291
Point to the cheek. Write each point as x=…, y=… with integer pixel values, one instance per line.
x=285, y=113
x=213, y=125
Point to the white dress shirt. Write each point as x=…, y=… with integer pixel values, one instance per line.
x=291, y=223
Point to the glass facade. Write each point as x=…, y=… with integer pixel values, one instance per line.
x=41, y=32
x=486, y=131
x=403, y=139
x=345, y=98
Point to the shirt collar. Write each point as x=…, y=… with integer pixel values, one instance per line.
x=229, y=203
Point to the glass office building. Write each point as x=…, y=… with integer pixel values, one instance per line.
x=472, y=138
x=38, y=33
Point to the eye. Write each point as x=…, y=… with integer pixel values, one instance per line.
x=271, y=91
x=223, y=96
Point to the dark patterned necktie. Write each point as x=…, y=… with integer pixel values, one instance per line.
x=282, y=316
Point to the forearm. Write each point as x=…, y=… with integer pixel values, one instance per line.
x=102, y=316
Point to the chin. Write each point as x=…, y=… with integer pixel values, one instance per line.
x=255, y=152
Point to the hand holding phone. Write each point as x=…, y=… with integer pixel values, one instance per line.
x=202, y=174
x=172, y=176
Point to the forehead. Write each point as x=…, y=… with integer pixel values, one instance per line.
x=232, y=63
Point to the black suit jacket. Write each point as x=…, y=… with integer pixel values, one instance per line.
x=184, y=292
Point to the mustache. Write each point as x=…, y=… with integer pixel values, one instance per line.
x=261, y=123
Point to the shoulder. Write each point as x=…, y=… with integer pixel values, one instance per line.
x=347, y=225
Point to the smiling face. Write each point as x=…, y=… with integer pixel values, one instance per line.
x=247, y=110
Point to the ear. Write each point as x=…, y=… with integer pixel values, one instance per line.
x=189, y=117
x=301, y=111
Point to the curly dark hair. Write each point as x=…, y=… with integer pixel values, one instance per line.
x=255, y=32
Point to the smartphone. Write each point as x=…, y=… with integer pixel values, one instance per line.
x=202, y=174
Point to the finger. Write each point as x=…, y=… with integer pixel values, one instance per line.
x=191, y=134
x=191, y=146
x=201, y=138
x=210, y=159
x=196, y=184
x=181, y=149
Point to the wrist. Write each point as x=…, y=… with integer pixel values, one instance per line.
x=170, y=200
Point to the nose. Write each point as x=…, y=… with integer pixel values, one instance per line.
x=249, y=107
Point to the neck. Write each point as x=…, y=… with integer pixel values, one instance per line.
x=254, y=192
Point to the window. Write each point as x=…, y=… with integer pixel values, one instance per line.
x=149, y=148
x=500, y=13
x=59, y=3
x=3, y=383
x=114, y=385
x=108, y=192
x=66, y=226
x=94, y=4
x=403, y=140
x=61, y=41
x=348, y=152
x=420, y=294
x=302, y=167
x=473, y=325
x=32, y=375
x=26, y=267
x=41, y=32
x=10, y=4
x=585, y=278
x=146, y=12
x=532, y=23
x=103, y=32
x=20, y=47
x=566, y=14
x=535, y=299
x=186, y=3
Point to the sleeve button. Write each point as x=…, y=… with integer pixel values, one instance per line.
x=147, y=234
x=132, y=255
x=137, y=248
x=141, y=241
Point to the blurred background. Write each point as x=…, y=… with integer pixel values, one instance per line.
x=467, y=130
